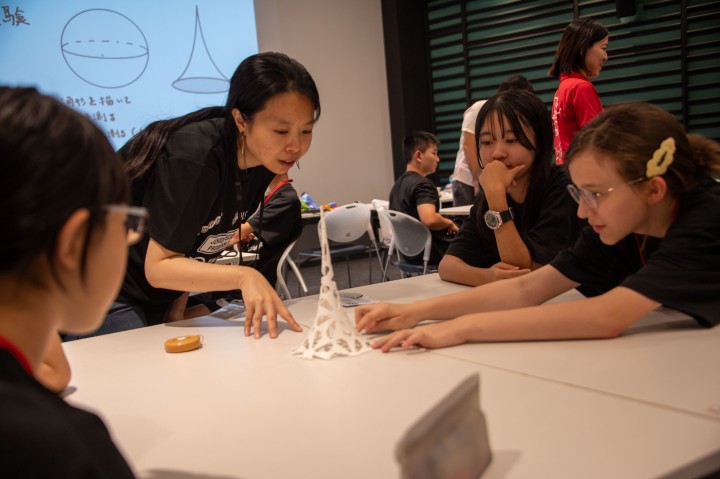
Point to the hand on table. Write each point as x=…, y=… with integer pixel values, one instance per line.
x=382, y=316
x=438, y=335
x=502, y=270
x=260, y=300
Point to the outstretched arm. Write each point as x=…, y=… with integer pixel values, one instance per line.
x=531, y=289
x=604, y=316
x=170, y=270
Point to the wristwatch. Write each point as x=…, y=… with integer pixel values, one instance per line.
x=495, y=219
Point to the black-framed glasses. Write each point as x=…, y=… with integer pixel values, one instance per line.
x=136, y=222
x=591, y=198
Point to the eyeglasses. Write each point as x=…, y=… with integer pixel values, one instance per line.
x=591, y=198
x=136, y=222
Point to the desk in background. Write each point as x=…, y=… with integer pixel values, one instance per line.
x=245, y=408
x=446, y=197
x=456, y=210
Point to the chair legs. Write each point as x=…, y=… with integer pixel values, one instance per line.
x=347, y=261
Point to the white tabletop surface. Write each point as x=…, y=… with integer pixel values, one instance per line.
x=245, y=408
x=456, y=210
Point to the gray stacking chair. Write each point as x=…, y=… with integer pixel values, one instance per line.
x=344, y=225
x=284, y=261
x=410, y=238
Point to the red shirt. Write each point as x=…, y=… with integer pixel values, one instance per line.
x=576, y=102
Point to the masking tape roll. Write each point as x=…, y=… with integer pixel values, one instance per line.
x=183, y=343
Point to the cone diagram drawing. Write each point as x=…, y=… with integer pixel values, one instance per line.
x=333, y=332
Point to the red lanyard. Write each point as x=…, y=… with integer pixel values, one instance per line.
x=269, y=195
x=640, y=249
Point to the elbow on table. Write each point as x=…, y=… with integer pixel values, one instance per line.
x=444, y=269
x=608, y=327
x=449, y=270
x=610, y=332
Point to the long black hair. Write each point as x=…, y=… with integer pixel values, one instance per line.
x=577, y=38
x=54, y=162
x=519, y=110
x=257, y=79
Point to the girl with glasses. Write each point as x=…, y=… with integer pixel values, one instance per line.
x=649, y=243
x=580, y=56
x=201, y=176
x=514, y=143
x=63, y=250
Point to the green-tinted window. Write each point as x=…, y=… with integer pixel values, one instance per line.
x=476, y=44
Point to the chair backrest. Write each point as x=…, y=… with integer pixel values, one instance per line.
x=410, y=236
x=385, y=228
x=280, y=282
x=348, y=223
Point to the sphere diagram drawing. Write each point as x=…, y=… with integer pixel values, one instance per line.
x=104, y=48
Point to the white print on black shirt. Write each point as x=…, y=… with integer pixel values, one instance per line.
x=209, y=226
x=215, y=243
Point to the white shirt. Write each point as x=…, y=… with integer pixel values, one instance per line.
x=462, y=171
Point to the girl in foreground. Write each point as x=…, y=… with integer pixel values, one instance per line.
x=63, y=249
x=653, y=240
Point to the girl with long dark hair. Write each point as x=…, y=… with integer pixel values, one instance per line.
x=203, y=174
x=523, y=215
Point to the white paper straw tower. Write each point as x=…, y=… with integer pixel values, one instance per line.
x=333, y=332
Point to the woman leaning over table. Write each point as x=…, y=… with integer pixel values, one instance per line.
x=580, y=55
x=200, y=176
x=647, y=191
x=63, y=249
x=523, y=215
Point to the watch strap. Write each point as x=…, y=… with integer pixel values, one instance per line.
x=507, y=215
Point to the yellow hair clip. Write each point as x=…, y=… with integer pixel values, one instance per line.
x=661, y=159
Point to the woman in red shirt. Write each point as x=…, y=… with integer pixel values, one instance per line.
x=580, y=56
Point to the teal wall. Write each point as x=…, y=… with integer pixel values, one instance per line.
x=668, y=54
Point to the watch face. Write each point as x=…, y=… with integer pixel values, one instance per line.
x=492, y=219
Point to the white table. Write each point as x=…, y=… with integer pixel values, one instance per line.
x=445, y=195
x=240, y=407
x=456, y=210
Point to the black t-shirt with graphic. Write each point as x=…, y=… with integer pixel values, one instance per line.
x=681, y=270
x=197, y=198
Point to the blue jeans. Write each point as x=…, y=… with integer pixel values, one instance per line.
x=122, y=317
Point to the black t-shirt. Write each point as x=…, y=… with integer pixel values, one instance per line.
x=409, y=191
x=42, y=436
x=281, y=225
x=197, y=197
x=681, y=271
x=556, y=227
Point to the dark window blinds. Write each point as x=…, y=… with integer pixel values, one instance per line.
x=668, y=54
